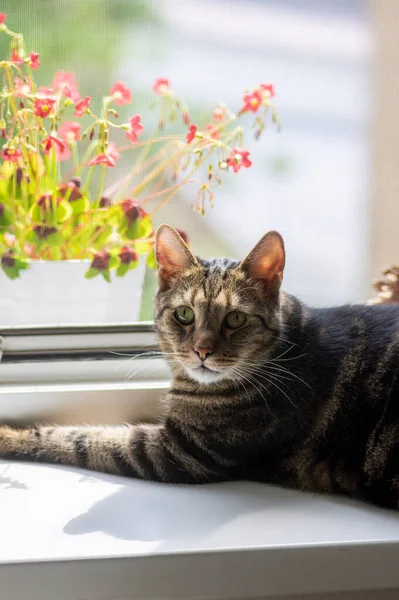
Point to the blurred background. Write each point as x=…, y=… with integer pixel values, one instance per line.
x=313, y=181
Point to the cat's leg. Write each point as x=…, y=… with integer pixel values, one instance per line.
x=155, y=452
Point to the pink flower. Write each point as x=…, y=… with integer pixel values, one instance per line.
x=46, y=92
x=10, y=239
x=212, y=131
x=69, y=131
x=22, y=88
x=135, y=128
x=267, y=90
x=161, y=86
x=107, y=158
x=62, y=152
x=2, y=18
x=81, y=107
x=65, y=83
x=120, y=93
x=252, y=101
x=239, y=158
x=60, y=148
x=218, y=114
x=16, y=58
x=34, y=60
x=191, y=134
x=43, y=106
x=11, y=154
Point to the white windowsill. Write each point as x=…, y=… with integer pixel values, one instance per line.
x=71, y=534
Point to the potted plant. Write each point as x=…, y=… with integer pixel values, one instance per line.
x=65, y=235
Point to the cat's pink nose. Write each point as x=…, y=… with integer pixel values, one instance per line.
x=203, y=353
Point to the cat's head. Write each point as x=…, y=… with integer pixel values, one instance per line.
x=215, y=317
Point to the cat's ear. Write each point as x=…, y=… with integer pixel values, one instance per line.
x=266, y=260
x=171, y=252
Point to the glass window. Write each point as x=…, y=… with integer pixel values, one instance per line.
x=309, y=181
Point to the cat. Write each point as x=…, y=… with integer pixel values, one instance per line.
x=264, y=388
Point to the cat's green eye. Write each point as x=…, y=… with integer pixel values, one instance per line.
x=185, y=315
x=235, y=319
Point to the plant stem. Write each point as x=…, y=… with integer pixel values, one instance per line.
x=100, y=187
x=88, y=180
x=183, y=182
x=75, y=157
x=157, y=171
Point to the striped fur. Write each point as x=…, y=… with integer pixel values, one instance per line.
x=305, y=398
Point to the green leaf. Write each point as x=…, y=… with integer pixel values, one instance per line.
x=3, y=191
x=80, y=206
x=63, y=211
x=106, y=275
x=145, y=227
x=14, y=271
x=114, y=215
x=151, y=262
x=122, y=270
x=36, y=213
x=32, y=237
x=91, y=273
x=143, y=247
x=5, y=216
x=113, y=262
x=102, y=238
x=21, y=265
x=55, y=239
x=37, y=165
x=7, y=170
x=11, y=272
x=133, y=231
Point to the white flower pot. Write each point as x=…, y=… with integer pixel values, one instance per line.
x=57, y=293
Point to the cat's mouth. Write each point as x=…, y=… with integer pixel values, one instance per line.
x=205, y=368
x=203, y=374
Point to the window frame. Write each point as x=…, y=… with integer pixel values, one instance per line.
x=84, y=341
x=88, y=373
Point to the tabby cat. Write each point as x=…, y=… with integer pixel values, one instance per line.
x=264, y=388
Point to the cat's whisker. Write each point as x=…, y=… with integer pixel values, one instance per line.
x=275, y=377
x=239, y=383
x=279, y=338
x=133, y=358
x=277, y=368
x=132, y=373
x=277, y=374
x=288, y=372
x=284, y=353
x=282, y=391
x=252, y=381
x=148, y=355
x=288, y=359
x=271, y=379
x=132, y=370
